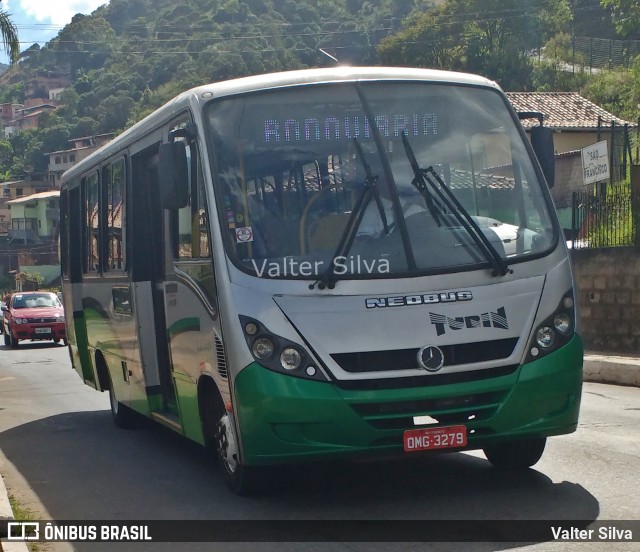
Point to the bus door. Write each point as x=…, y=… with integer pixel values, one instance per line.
x=190, y=306
x=148, y=287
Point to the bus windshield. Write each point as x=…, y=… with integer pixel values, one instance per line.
x=375, y=179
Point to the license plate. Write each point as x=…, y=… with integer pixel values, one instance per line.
x=43, y=330
x=430, y=438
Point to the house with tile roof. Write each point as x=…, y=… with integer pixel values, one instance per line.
x=575, y=120
x=576, y=123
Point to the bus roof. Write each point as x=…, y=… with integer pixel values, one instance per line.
x=271, y=81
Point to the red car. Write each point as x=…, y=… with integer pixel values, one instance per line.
x=33, y=315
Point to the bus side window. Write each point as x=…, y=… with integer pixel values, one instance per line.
x=190, y=226
x=114, y=234
x=90, y=223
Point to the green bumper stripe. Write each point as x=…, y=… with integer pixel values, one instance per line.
x=283, y=418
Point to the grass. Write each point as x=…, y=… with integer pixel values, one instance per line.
x=21, y=513
x=612, y=222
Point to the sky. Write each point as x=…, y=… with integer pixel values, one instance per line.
x=41, y=20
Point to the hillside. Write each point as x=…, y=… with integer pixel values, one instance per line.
x=130, y=56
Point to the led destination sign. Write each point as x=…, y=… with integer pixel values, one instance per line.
x=346, y=127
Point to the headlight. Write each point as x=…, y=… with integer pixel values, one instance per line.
x=262, y=348
x=278, y=353
x=562, y=323
x=290, y=358
x=545, y=337
x=555, y=331
x=20, y=320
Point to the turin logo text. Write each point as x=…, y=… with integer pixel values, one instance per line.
x=496, y=319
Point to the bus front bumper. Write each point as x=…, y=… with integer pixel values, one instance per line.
x=285, y=419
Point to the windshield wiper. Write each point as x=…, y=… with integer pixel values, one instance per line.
x=447, y=198
x=419, y=181
x=327, y=279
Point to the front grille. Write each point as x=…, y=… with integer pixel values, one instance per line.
x=428, y=380
x=454, y=410
x=42, y=320
x=406, y=359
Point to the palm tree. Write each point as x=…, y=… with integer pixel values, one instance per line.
x=9, y=36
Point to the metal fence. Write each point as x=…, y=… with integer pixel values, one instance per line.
x=606, y=216
x=604, y=53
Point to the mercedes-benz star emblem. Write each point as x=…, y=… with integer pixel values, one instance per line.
x=431, y=358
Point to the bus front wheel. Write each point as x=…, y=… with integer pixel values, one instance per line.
x=514, y=455
x=242, y=480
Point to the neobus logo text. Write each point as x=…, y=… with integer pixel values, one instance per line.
x=496, y=319
x=419, y=299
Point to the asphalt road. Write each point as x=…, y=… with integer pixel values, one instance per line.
x=64, y=459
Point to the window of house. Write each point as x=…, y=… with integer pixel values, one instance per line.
x=72, y=158
x=19, y=192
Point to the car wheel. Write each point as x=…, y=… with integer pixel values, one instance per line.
x=13, y=341
x=514, y=455
x=7, y=340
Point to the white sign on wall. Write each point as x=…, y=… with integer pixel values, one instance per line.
x=595, y=163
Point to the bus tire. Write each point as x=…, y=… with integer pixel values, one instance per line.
x=514, y=455
x=122, y=415
x=242, y=480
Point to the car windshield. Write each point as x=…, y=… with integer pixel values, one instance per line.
x=32, y=301
x=351, y=177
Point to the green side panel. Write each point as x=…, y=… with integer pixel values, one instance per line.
x=80, y=328
x=187, y=393
x=155, y=402
x=184, y=325
x=283, y=418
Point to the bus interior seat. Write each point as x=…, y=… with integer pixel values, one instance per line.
x=325, y=232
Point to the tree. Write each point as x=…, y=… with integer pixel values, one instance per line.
x=9, y=35
x=626, y=15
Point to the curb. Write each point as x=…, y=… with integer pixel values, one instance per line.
x=6, y=514
x=612, y=369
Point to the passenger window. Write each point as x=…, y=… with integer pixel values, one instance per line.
x=190, y=228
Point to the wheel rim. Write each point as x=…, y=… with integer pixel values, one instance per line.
x=226, y=443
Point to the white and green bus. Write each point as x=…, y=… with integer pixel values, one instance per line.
x=327, y=264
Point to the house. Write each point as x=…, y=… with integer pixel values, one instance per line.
x=40, y=85
x=35, y=218
x=576, y=123
x=32, y=240
x=14, y=190
x=27, y=117
x=8, y=112
x=60, y=161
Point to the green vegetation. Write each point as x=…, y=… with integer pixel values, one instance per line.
x=610, y=219
x=21, y=513
x=130, y=56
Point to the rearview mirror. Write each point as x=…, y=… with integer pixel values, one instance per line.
x=173, y=175
x=542, y=142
